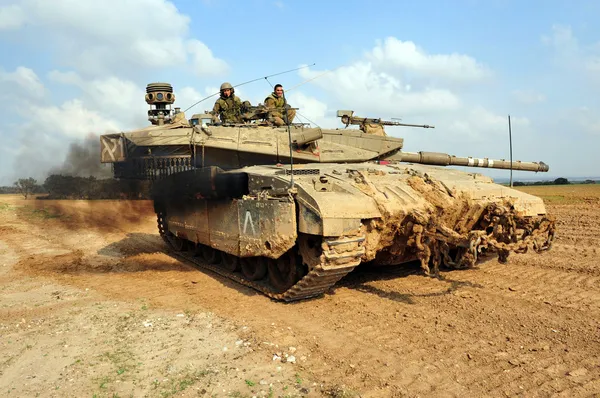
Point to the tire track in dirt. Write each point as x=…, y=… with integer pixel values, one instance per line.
x=583, y=251
x=537, y=374
x=537, y=284
x=487, y=307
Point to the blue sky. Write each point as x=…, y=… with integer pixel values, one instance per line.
x=71, y=68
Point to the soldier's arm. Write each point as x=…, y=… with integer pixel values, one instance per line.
x=270, y=102
x=215, y=112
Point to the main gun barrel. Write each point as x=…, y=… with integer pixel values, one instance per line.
x=443, y=159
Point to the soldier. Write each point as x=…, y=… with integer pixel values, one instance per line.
x=277, y=102
x=228, y=108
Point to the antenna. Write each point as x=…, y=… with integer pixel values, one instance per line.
x=314, y=78
x=510, y=145
x=287, y=123
x=249, y=81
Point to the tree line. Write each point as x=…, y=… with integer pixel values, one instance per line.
x=558, y=181
x=58, y=186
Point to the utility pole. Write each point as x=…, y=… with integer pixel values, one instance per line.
x=510, y=144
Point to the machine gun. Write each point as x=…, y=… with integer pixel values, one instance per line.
x=348, y=118
x=248, y=113
x=260, y=112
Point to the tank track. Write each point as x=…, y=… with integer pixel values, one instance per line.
x=339, y=257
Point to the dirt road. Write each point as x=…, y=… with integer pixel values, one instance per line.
x=91, y=304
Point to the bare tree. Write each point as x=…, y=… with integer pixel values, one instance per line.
x=25, y=186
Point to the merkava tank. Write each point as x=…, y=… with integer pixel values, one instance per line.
x=291, y=210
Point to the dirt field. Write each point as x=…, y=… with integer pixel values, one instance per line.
x=92, y=305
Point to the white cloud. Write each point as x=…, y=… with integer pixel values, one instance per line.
x=69, y=78
x=107, y=38
x=406, y=56
x=11, y=17
x=367, y=89
x=587, y=119
x=25, y=79
x=70, y=120
x=481, y=124
x=592, y=64
x=187, y=96
x=204, y=62
x=528, y=97
x=570, y=53
x=311, y=110
x=561, y=39
x=116, y=98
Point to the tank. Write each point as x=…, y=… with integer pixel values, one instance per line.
x=291, y=210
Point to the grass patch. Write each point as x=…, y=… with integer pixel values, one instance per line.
x=45, y=214
x=39, y=214
x=176, y=385
x=5, y=206
x=557, y=199
x=340, y=392
x=565, y=194
x=122, y=361
x=237, y=394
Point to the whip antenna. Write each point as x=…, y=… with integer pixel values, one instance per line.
x=314, y=78
x=510, y=146
x=287, y=123
x=249, y=81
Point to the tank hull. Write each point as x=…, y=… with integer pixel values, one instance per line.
x=296, y=241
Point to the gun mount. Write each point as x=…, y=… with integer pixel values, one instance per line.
x=223, y=199
x=348, y=118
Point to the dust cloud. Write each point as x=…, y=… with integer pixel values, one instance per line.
x=105, y=216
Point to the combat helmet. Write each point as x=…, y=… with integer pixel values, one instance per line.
x=225, y=86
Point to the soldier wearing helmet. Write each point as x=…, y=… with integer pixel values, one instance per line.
x=278, y=105
x=228, y=108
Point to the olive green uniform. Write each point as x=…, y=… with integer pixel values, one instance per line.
x=228, y=109
x=279, y=105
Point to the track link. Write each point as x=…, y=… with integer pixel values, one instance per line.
x=339, y=257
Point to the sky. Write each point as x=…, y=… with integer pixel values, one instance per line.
x=73, y=69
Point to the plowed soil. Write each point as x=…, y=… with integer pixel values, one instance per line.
x=92, y=304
